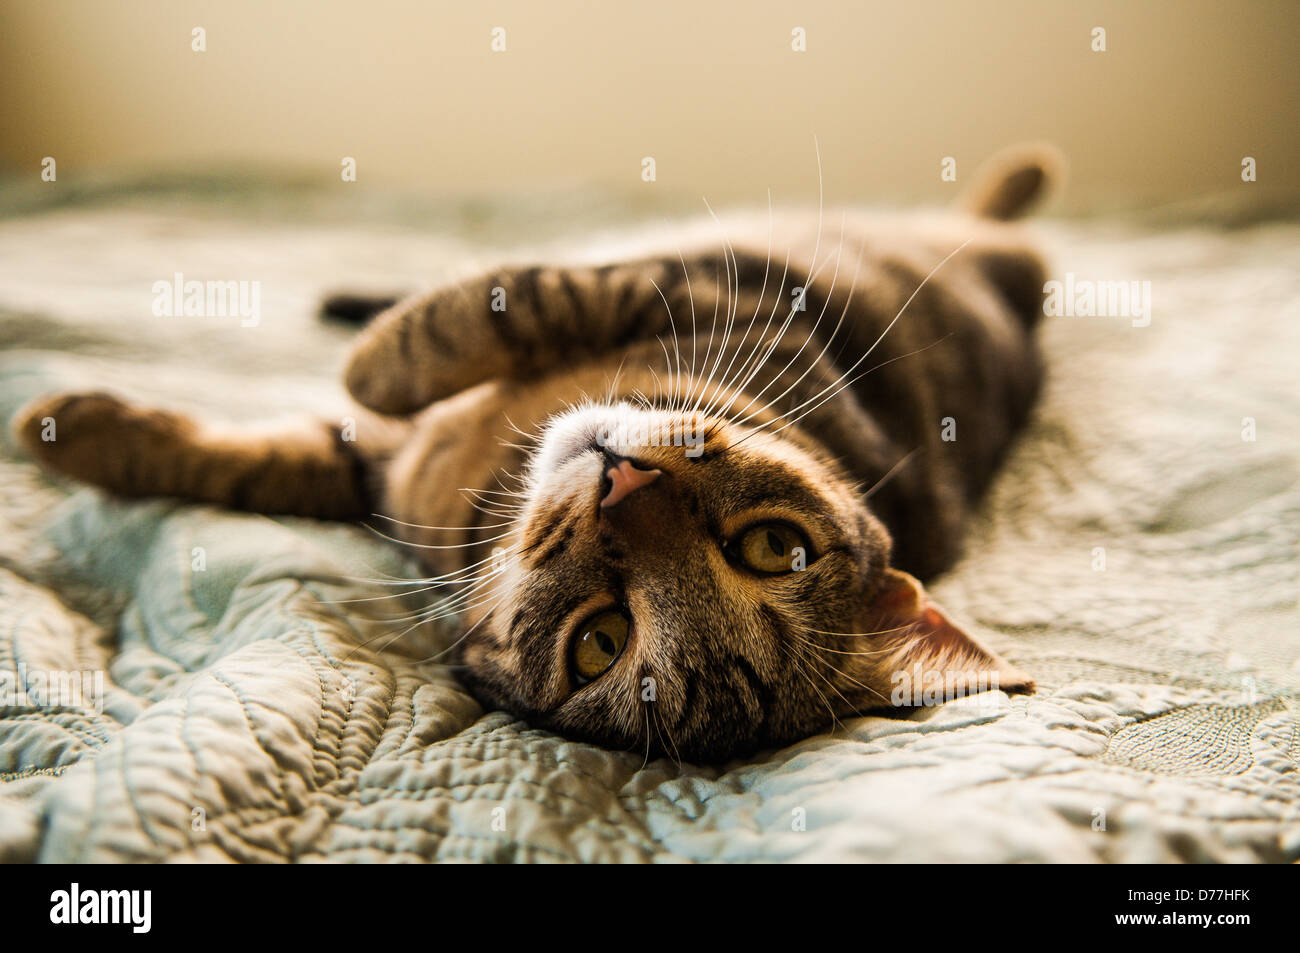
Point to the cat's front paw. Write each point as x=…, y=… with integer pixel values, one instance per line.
x=95, y=437
x=37, y=424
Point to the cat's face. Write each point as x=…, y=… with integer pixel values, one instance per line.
x=732, y=601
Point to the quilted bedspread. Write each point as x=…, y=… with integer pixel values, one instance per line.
x=247, y=696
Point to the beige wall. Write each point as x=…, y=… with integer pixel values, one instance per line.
x=711, y=90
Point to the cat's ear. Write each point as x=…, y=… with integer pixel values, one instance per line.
x=1010, y=183
x=914, y=654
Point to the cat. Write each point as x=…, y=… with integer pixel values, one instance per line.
x=738, y=464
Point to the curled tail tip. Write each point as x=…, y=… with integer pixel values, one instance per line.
x=1014, y=180
x=351, y=307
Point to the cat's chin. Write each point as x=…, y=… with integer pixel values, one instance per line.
x=566, y=436
x=619, y=429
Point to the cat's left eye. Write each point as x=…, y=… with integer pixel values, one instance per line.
x=772, y=548
x=599, y=642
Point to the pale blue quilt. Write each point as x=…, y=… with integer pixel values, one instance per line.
x=1138, y=556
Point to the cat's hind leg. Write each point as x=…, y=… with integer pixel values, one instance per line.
x=308, y=468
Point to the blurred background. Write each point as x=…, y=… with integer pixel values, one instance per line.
x=713, y=91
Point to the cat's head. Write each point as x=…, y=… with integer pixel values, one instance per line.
x=682, y=584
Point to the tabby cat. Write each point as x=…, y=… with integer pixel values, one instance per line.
x=737, y=462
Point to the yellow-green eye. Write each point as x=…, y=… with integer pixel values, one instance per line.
x=598, y=643
x=773, y=548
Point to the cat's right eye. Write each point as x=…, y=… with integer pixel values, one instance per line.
x=770, y=548
x=598, y=643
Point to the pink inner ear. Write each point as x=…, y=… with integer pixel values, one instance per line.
x=927, y=638
x=940, y=633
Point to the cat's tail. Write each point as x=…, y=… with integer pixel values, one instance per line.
x=349, y=307
x=308, y=468
x=1014, y=180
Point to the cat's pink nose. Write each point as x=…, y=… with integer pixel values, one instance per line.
x=625, y=479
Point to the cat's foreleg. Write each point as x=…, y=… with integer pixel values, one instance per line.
x=513, y=323
x=307, y=468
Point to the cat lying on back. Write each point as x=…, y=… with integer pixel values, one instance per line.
x=737, y=459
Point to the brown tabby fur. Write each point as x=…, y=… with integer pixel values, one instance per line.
x=830, y=423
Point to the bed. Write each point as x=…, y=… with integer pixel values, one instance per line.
x=1138, y=556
